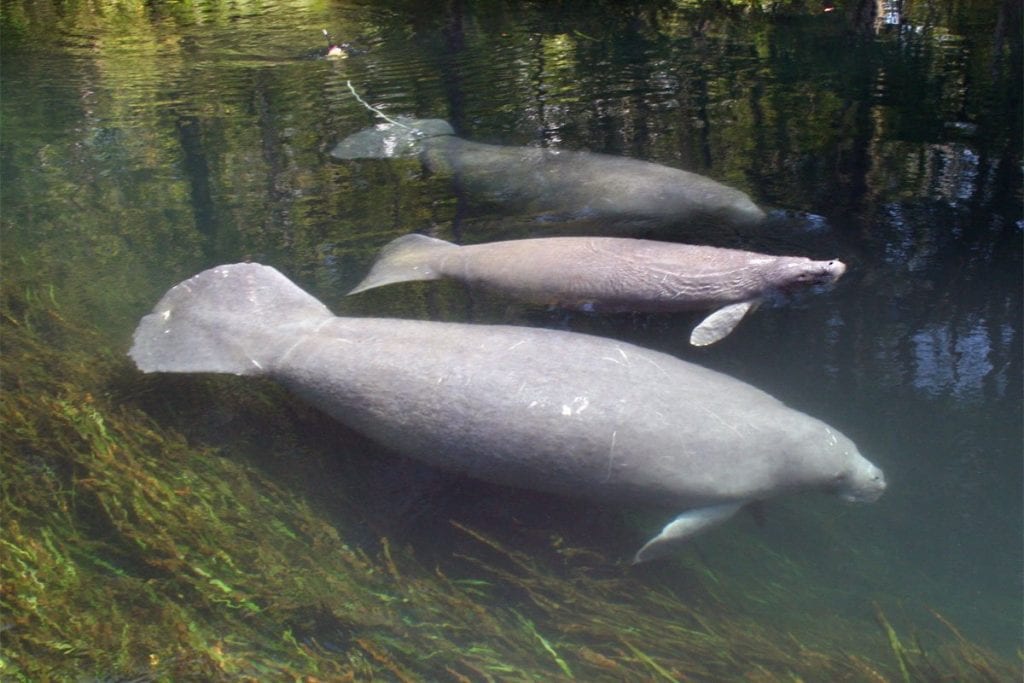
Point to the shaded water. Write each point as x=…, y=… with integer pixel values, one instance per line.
x=143, y=143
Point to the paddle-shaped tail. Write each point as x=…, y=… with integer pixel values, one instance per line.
x=398, y=138
x=235, y=319
x=408, y=258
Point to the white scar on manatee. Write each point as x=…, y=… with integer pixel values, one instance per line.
x=622, y=353
x=718, y=418
x=302, y=339
x=655, y=364
x=503, y=419
x=581, y=403
x=611, y=457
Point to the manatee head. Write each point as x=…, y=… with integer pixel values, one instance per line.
x=677, y=195
x=722, y=204
x=823, y=458
x=850, y=475
x=797, y=272
x=743, y=210
x=862, y=482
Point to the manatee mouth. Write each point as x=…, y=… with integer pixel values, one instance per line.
x=861, y=497
x=830, y=272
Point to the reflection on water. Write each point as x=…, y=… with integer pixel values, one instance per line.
x=949, y=363
x=144, y=142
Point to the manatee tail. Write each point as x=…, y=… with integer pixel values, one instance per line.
x=399, y=138
x=408, y=258
x=234, y=319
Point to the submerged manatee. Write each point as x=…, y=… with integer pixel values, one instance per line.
x=558, y=184
x=541, y=409
x=609, y=274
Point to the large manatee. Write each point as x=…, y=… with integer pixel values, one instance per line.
x=609, y=274
x=554, y=184
x=541, y=409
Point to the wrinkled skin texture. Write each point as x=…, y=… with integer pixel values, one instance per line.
x=603, y=273
x=541, y=409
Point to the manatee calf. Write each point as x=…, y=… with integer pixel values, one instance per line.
x=609, y=274
x=557, y=184
x=541, y=409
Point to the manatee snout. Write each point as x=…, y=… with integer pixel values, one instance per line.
x=833, y=270
x=825, y=272
x=799, y=273
x=865, y=485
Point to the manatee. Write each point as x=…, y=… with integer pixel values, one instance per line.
x=609, y=274
x=558, y=185
x=547, y=410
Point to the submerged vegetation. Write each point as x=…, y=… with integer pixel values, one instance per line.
x=131, y=554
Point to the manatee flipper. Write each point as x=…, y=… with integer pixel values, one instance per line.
x=719, y=324
x=408, y=258
x=399, y=138
x=684, y=527
x=227, y=319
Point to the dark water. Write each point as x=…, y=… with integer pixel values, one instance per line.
x=143, y=143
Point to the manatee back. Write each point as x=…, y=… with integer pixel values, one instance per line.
x=554, y=411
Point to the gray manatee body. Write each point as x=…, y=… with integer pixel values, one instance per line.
x=609, y=274
x=540, y=409
x=558, y=184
